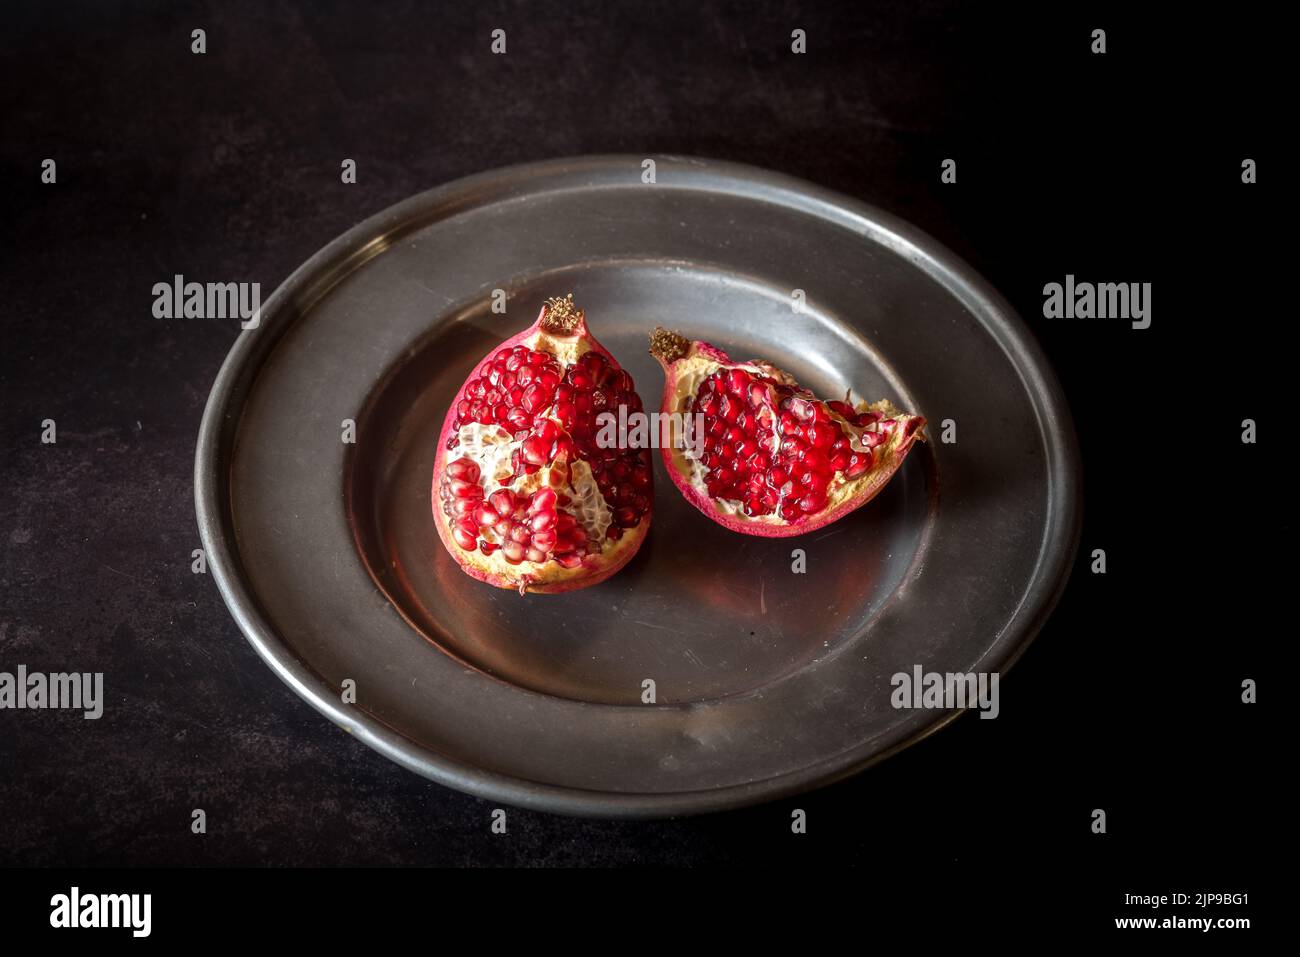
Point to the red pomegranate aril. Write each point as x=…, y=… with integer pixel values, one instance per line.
x=464, y=489
x=464, y=469
x=502, y=502
x=466, y=534
x=535, y=398
x=535, y=450
x=859, y=463
x=813, y=501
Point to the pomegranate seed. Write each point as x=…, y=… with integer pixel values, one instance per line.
x=487, y=548
x=465, y=489
x=548, y=431
x=563, y=448
x=545, y=538
x=801, y=409
x=502, y=502
x=535, y=450
x=812, y=502
x=815, y=460
x=513, y=552
x=464, y=469
x=465, y=534
x=859, y=462
x=535, y=398
x=729, y=409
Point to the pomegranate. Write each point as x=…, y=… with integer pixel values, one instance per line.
x=523, y=496
x=774, y=459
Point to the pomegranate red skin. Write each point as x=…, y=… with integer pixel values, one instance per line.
x=593, y=568
x=877, y=478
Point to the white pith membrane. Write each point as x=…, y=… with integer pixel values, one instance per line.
x=691, y=371
x=492, y=448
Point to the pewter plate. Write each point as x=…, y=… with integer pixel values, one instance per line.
x=767, y=681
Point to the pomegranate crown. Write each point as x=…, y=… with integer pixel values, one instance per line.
x=562, y=316
x=668, y=346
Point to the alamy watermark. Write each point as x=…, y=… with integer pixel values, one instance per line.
x=651, y=430
x=75, y=909
x=1103, y=300
x=36, y=690
x=179, y=299
x=946, y=690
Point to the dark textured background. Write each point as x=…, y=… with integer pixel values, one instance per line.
x=1123, y=167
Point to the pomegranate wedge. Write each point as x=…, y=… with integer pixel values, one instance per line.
x=773, y=460
x=523, y=496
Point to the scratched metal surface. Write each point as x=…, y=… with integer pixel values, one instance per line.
x=768, y=682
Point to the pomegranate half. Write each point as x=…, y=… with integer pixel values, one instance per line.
x=773, y=459
x=524, y=497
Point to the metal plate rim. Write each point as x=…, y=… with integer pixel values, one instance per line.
x=355, y=246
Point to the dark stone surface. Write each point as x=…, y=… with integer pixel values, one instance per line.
x=225, y=167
